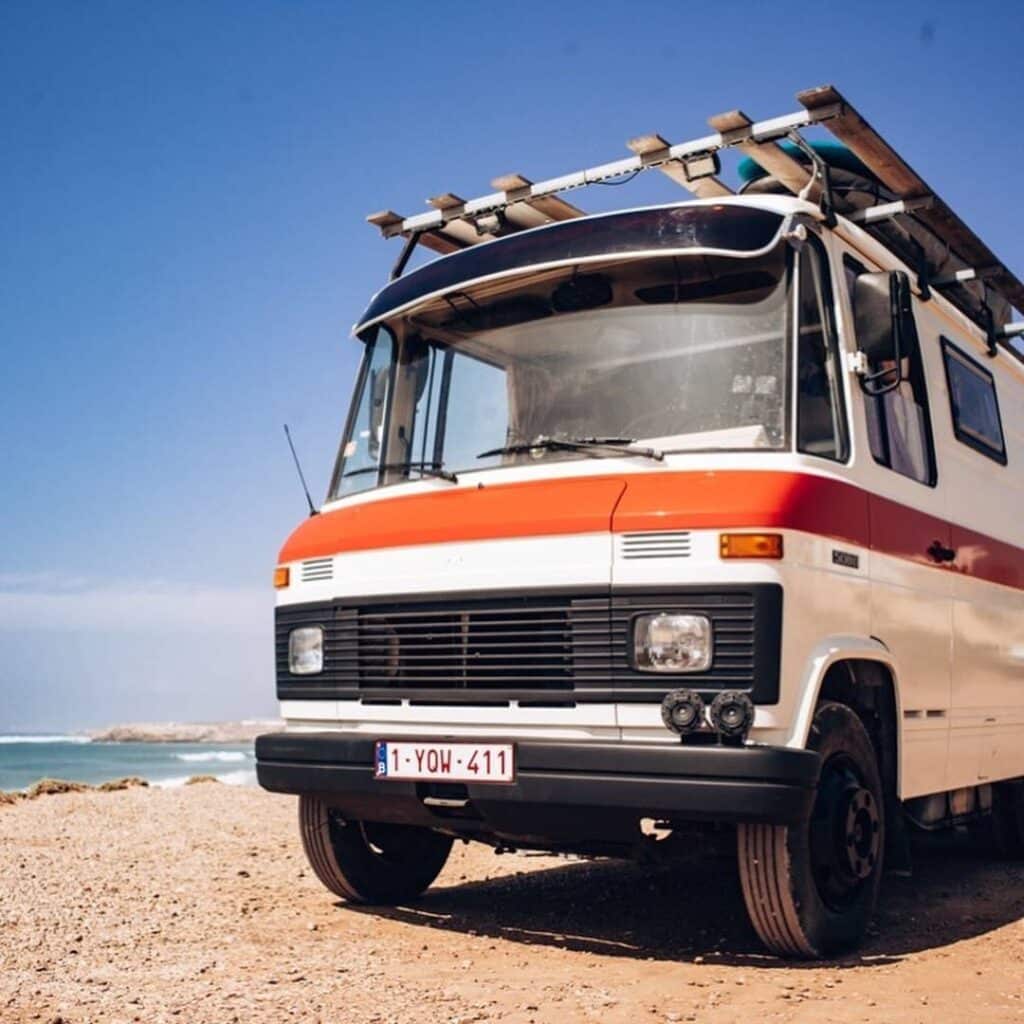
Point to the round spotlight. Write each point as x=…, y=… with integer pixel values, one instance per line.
x=732, y=714
x=682, y=711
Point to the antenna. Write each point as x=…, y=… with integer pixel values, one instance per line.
x=298, y=467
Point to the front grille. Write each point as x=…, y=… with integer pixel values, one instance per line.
x=483, y=645
x=529, y=648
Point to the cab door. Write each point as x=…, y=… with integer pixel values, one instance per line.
x=911, y=553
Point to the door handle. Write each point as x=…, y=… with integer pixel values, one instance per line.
x=938, y=552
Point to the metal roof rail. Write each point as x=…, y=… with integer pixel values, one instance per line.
x=692, y=164
x=518, y=204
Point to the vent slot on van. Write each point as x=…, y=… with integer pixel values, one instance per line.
x=655, y=544
x=317, y=569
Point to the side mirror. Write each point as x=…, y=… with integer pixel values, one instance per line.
x=886, y=332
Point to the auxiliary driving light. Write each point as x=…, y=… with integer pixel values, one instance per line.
x=732, y=714
x=682, y=711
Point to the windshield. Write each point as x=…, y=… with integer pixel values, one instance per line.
x=676, y=353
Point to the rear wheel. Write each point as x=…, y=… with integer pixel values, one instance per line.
x=370, y=862
x=811, y=889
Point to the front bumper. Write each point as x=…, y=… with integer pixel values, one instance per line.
x=563, y=791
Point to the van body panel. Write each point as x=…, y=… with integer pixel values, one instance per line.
x=859, y=575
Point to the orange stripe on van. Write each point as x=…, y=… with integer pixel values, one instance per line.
x=535, y=509
x=743, y=499
x=687, y=500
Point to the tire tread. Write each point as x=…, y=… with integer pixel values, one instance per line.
x=773, y=885
x=315, y=829
x=764, y=877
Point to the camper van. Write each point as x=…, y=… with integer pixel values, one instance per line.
x=686, y=520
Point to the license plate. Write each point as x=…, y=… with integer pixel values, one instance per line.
x=447, y=762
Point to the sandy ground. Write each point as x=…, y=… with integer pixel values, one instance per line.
x=195, y=905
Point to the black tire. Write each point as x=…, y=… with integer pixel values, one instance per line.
x=370, y=862
x=1001, y=833
x=811, y=889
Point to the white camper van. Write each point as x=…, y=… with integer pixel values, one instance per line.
x=700, y=516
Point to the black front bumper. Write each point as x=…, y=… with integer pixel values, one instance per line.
x=563, y=791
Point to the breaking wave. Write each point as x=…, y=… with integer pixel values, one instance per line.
x=222, y=756
x=242, y=777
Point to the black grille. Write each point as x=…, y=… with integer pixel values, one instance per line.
x=530, y=648
x=483, y=645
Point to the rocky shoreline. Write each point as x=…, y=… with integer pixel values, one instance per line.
x=58, y=787
x=185, y=732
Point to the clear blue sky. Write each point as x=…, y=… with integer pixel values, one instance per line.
x=182, y=251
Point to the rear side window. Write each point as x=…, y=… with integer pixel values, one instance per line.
x=973, y=403
x=899, y=424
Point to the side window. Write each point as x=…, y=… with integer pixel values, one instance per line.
x=820, y=416
x=899, y=425
x=974, y=405
x=363, y=448
x=461, y=408
x=476, y=413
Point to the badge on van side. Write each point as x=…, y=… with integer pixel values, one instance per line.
x=846, y=559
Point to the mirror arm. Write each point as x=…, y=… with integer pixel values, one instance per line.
x=991, y=334
x=867, y=382
x=924, y=272
x=819, y=171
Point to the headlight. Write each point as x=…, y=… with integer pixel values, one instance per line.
x=306, y=651
x=667, y=642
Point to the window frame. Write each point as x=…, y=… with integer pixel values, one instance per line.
x=831, y=338
x=447, y=355
x=951, y=351
x=369, y=342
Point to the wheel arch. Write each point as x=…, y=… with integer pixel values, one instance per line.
x=862, y=673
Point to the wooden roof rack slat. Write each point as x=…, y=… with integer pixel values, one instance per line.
x=697, y=174
x=518, y=191
x=390, y=224
x=465, y=230
x=735, y=129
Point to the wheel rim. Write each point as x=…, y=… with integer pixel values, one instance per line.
x=845, y=833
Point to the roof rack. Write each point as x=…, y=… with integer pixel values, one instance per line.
x=518, y=204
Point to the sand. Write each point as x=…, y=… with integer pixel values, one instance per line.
x=195, y=905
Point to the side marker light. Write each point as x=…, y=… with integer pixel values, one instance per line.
x=750, y=545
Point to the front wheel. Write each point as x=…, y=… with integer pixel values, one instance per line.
x=810, y=889
x=370, y=862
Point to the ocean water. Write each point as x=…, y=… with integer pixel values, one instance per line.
x=27, y=759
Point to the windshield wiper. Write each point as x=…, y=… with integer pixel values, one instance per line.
x=426, y=468
x=616, y=445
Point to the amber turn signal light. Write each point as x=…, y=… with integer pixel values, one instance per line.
x=282, y=577
x=750, y=545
